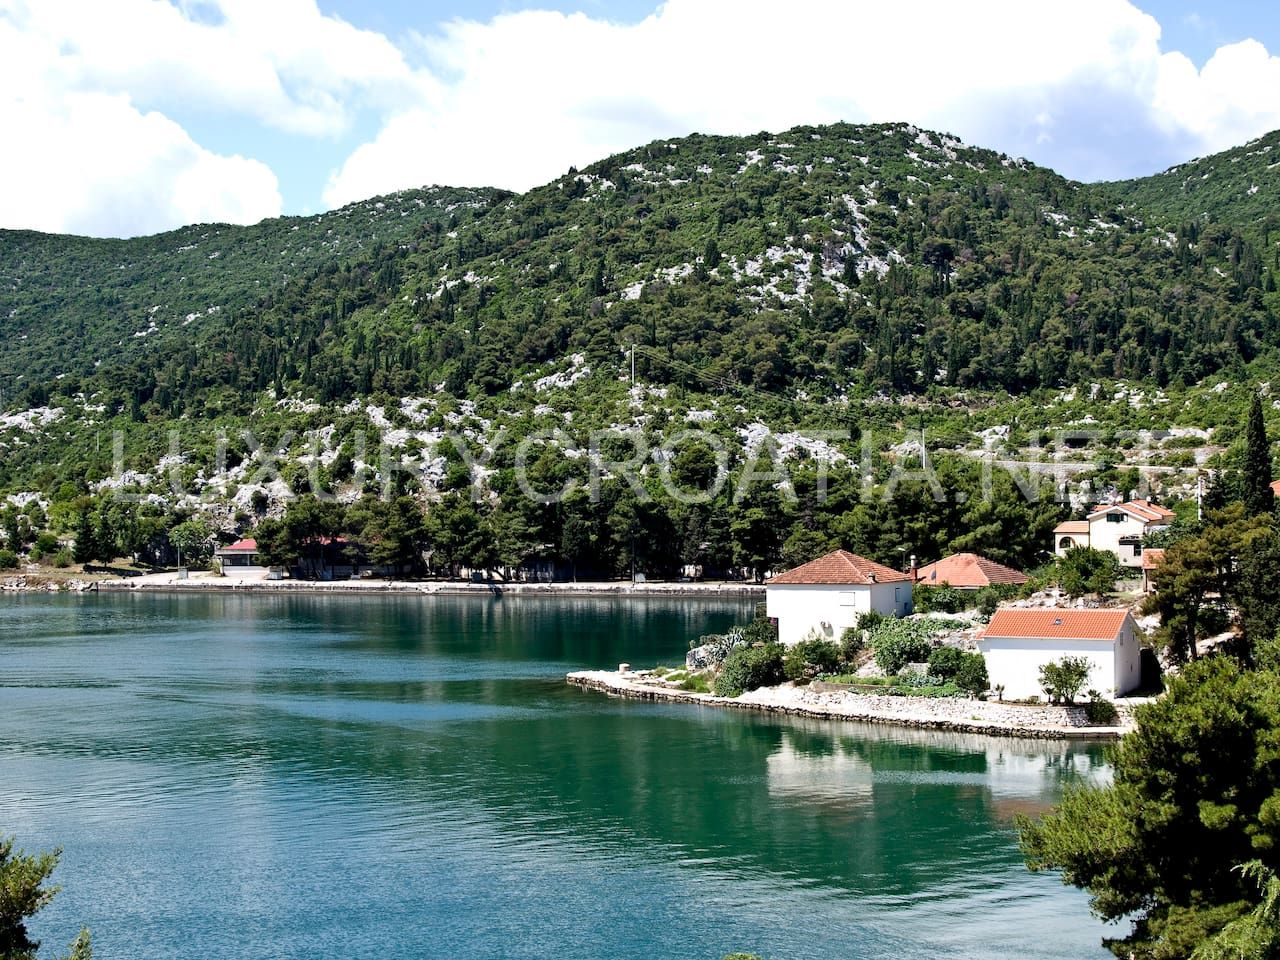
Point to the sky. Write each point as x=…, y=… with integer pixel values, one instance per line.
x=128, y=117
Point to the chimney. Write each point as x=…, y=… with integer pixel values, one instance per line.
x=914, y=570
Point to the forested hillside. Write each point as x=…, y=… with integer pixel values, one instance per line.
x=798, y=292
x=67, y=303
x=824, y=259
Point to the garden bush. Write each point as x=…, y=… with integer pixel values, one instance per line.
x=810, y=657
x=899, y=642
x=940, y=599
x=871, y=620
x=1062, y=679
x=972, y=676
x=945, y=662
x=747, y=668
x=851, y=644
x=1101, y=711
x=8, y=560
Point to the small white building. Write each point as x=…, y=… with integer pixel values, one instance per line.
x=826, y=596
x=1017, y=643
x=1117, y=528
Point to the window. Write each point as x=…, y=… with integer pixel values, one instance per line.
x=1115, y=518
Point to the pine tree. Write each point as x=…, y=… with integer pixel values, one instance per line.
x=1258, y=498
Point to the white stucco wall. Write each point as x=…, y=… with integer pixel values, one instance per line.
x=830, y=609
x=1106, y=535
x=1076, y=540
x=1115, y=667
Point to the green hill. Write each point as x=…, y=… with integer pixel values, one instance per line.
x=820, y=278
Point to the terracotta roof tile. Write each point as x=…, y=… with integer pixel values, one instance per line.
x=841, y=566
x=1151, y=558
x=1072, y=526
x=1142, y=509
x=1052, y=623
x=968, y=570
x=246, y=544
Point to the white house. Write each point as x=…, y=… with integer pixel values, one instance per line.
x=826, y=596
x=1118, y=528
x=1017, y=643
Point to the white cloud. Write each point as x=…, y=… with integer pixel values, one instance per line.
x=99, y=95
x=89, y=90
x=93, y=164
x=1083, y=86
x=280, y=62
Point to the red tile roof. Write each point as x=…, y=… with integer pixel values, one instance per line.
x=1275, y=487
x=1151, y=558
x=841, y=567
x=1072, y=526
x=1056, y=624
x=968, y=571
x=1144, y=510
x=246, y=545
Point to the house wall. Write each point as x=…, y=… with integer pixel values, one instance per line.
x=830, y=609
x=1016, y=662
x=1062, y=542
x=1105, y=534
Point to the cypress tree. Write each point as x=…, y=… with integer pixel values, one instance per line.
x=1258, y=498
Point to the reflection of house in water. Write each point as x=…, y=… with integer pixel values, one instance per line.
x=851, y=764
x=836, y=775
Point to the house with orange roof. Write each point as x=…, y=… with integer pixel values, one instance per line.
x=968, y=571
x=1018, y=642
x=1117, y=527
x=827, y=596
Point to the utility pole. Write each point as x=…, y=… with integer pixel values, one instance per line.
x=633, y=365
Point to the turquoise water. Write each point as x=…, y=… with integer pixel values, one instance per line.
x=397, y=777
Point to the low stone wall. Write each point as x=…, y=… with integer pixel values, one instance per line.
x=943, y=713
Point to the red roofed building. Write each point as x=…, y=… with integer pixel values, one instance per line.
x=826, y=596
x=240, y=559
x=968, y=571
x=1017, y=643
x=1118, y=528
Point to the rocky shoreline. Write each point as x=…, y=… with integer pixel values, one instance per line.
x=962, y=716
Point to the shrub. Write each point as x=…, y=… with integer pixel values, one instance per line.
x=871, y=620
x=945, y=662
x=851, y=644
x=810, y=657
x=747, y=668
x=972, y=676
x=8, y=560
x=1063, y=679
x=47, y=543
x=899, y=642
x=62, y=558
x=1101, y=711
x=696, y=683
x=760, y=630
x=988, y=601
x=940, y=599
